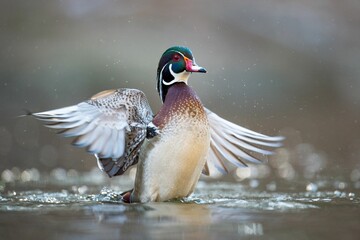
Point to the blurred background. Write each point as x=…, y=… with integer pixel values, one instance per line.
x=277, y=67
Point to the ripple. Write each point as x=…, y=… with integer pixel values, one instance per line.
x=232, y=196
x=219, y=195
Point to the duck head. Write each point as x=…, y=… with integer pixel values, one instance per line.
x=175, y=65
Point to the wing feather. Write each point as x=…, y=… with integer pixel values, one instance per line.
x=78, y=131
x=215, y=167
x=231, y=146
x=104, y=126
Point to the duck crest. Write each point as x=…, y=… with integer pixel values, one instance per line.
x=181, y=104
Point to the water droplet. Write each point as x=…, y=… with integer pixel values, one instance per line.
x=311, y=187
x=25, y=176
x=340, y=185
x=8, y=176
x=83, y=189
x=254, y=183
x=271, y=186
x=243, y=173
x=58, y=174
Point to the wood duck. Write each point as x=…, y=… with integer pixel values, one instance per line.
x=171, y=149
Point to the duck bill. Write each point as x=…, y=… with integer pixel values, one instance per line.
x=191, y=66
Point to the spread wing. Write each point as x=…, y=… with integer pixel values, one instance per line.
x=112, y=125
x=232, y=146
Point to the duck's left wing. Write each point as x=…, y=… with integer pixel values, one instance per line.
x=112, y=125
x=231, y=146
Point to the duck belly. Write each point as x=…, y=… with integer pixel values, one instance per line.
x=171, y=164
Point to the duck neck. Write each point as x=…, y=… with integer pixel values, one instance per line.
x=178, y=98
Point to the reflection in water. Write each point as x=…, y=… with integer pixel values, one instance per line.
x=178, y=213
x=173, y=219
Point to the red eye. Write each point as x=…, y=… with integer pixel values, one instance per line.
x=176, y=57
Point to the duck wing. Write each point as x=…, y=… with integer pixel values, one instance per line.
x=112, y=125
x=233, y=146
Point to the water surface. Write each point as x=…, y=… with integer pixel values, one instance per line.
x=83, y=209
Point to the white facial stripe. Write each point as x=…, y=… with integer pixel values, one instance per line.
x=169, y=83
x=178, y=53
x=161, y=80
x=194, y=63
x=178, y=77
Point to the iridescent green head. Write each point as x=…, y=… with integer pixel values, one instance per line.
x=175, y=65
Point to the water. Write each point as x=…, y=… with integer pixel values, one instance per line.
x=80, y=207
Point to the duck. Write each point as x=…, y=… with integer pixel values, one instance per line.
x=172, y=148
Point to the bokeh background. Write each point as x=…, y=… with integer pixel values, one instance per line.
x=277, y=67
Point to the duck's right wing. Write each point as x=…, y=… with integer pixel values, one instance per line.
x=233, y=146
x=112, y=125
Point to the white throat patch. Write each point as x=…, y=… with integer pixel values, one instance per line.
x=178, y=77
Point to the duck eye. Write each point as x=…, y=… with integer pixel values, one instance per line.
x=176, y=57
